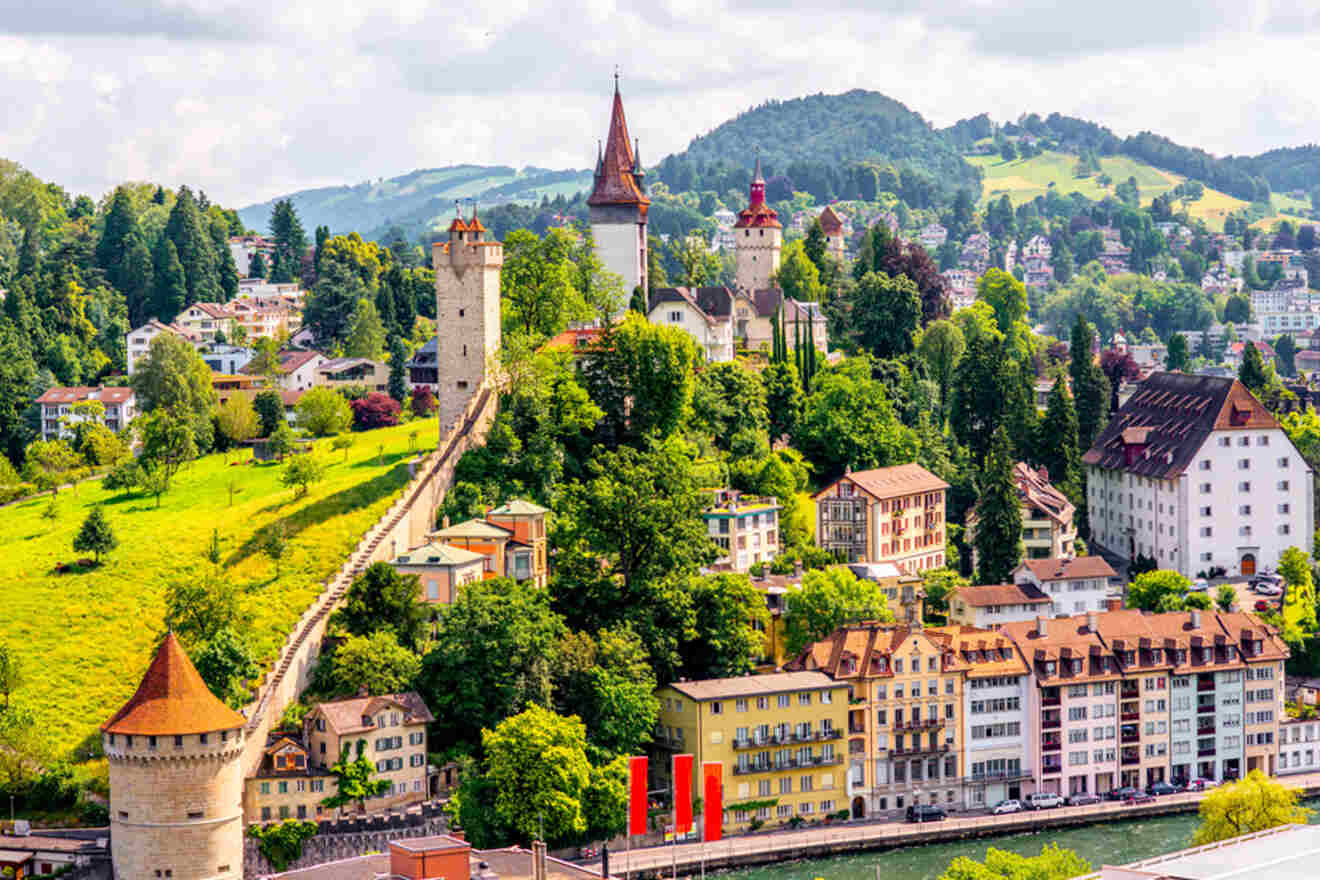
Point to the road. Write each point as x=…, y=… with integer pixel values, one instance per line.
x=827, y=839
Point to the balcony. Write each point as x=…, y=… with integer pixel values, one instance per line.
x=1205, y=684
x=1205, y=753
x=918, y=725
x=1050, y=701
x=1051, y=747
x=1128, y=692
x=856, y=728
x=1131, y=737
x=1130, y=716
x=1203, y=708
x=1051, y=768
x=1204, y=729
x=1129, y=757
x=920, y=750
x=1050, y=723
x=999, y=776
x=760, y=742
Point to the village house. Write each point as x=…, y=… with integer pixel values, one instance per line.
x=352, y=371
x=206, y=321
x=1048, y=529
x=298, y=370
x=893, y=514
x=137, y=343
x=287, y=784
x=59, y=405
x=989, y=606
x=1074, y=584
x=932, y=235
x=745, y=528
x=441, y=569
x=704, y=313
x=389, y=729
x=511, y=538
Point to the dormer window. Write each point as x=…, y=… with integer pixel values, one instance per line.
x=1049, y=667
x=1077, y=667
x=366, y=720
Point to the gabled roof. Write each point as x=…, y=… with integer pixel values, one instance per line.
x=473, y=528
x=830, y=222
x=1047, y=570
x=79, y=393
x=752, y=685
x=903, y=479
x=1178, y=411
x=702, y=299
x=172, y=700
x=615, y=183
x=985, y=595
x=518, y=507
x=345, y=716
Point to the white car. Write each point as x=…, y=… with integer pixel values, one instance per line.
x=1268, y=590
x=1200, y=585
x=1009, y=806
x=1043, y=800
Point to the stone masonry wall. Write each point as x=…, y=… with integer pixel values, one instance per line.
x=348, y=839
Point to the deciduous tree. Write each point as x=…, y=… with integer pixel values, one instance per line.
x=1053, y=863
x=827, y=600
x=537, y=764
x=1157, y=590
x=301, y=472
x=376, y=662
x=323, y=412
x=1251, y=804
x=382, y=599
x=886, y=312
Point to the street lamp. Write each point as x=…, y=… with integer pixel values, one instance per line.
x=916, y=802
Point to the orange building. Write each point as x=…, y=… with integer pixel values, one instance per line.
x=512, y=537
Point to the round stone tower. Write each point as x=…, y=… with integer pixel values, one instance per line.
x=176, y=782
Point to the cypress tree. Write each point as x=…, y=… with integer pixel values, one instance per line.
x=398, y=384
x=226, y=271
x=194, y=248
x=171, y=286
x=290, y=242
x=998, y=539
x=121, y=226
x=814, y=246
x=1056, y=442
x=1252, y=372
x=1090, y=387
x=136, y=281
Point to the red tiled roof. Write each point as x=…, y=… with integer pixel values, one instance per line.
x=830, y=223
x=1065, y=569
x=903, y=479
x=345, y=716
x=983, y=595
x=79, y=393
x=172, y=700
x=615, y=184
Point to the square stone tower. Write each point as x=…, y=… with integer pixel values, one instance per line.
x=618, y=204
x=467, y=312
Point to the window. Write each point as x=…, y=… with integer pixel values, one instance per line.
x=1244, y=510
x=1206, y=531
x=1205, y=464
x=783, y=701
x=1244, y=464
x=1244, y=487
x=1283, y=485
x=740, y=705
x=1205, y=511
x=804, y=699
x=675, y=317
x=786, y=785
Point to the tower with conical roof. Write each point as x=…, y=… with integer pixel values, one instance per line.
x=176, y=780
x=758, y=239
x=618, y=203
x=467, y=312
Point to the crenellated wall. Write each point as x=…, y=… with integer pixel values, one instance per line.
x=349, y=838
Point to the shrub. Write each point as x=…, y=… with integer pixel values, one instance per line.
x=282, y=844
x=323, y=411
x=16, y=491
x=422, y=402
x=301, y=472
x=376, y=410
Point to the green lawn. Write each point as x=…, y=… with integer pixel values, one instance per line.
x=84, y=638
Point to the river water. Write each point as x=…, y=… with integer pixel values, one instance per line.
x=1114, y=843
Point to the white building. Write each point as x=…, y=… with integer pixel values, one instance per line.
x=224, y=358
x=995, y=726
x=1195, y=473
x=932, y=235
x=1299, y=746
x=57, y=409
x=138, y=341
x=989, y=606
x=705, y=313
x=1074, y=585
x=205, y=320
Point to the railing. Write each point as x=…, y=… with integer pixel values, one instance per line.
x=1051, y=701
x=753, y=742
x=1129, y=760
x=1205, y=684
x=1051, y=724
x=1051, y=747
x=1051, y=768
x=1128, y=694
x=1205, y=753
x=998, y=775
x=1207, y=707
x=1131, y=737
x=1205, y=729
x=1130, y=716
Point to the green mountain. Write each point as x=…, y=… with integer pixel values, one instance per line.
x=419, y=201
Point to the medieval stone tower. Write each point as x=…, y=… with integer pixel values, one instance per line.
x=176, y=781
x=467, y=312
x=618, y=204
x=758, y=238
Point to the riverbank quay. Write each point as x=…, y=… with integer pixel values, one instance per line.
x=819, y=841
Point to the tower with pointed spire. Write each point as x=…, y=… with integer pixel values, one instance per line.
x=176, y=778
x=467, y=312
x=618, y=203
x=758, y=239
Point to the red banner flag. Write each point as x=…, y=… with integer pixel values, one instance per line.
x=682, y=794
x=712, y=805
x=637, y=795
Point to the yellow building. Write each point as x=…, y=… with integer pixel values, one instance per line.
x=389, y=729
x=779, y=737
x=287, y=784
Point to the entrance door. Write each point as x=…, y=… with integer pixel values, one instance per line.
x=1015, y=792
x=858, y=808
x=1248, y=565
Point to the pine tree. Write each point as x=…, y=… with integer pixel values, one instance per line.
x=814, y=246
x=256, y=265
x=1090, y=387
x=95, y=536
x=194, y=248
x=1056, y=443
x=1252, y=372
x=171, y=286
x=783, y=398
x=398, y=386
x=366, y=333
x=226, y=271
x=998, y=537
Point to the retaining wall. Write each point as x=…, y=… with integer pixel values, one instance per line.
x=348, y=838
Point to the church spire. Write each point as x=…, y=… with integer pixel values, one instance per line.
x=615, y=184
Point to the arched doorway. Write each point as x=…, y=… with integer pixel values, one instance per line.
x=858, y=808
x=1248, y=565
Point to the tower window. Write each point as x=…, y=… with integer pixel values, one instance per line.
x=195, y=814
x=465, y=351
x=178, y=742
x=461, y=311
x=462, y=386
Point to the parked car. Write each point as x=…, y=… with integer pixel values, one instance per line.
x=1082, y=799
x=925, y=813
x=1159, y=789
x=1261, y=605
x=1200, y=784
x=1121, y=794
x=1009, y=806
x=1139, y=797
x=1200, y=585
x=1043, y=800
x=1269, y=590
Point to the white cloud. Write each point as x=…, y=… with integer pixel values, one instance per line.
x=249, y=101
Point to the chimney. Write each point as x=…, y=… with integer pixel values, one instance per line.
x=444, y=523
x=1113, y=603
x=1092, y=619
x=1042, y=624
x=1196, y=619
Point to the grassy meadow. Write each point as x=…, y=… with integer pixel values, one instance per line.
x=85, y=637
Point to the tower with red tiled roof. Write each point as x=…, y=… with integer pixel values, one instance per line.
x=758, y=239
x=618, y=203
x=467, y=311
x=176, y=780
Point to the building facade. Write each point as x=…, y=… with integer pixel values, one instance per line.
x=704, y=313
x=1048, y=530
x=893, y=514
x=60, y=409
x=1074, y=585
x=511, y=538
x=990, y=606
x=390, y=730
x=1195, y=473
x=780, y=738
x=441, y=569
x=618, y=204
x=176, y=782
x=467, y=297
x=745, y=528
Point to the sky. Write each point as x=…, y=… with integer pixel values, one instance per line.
x=249, y=101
